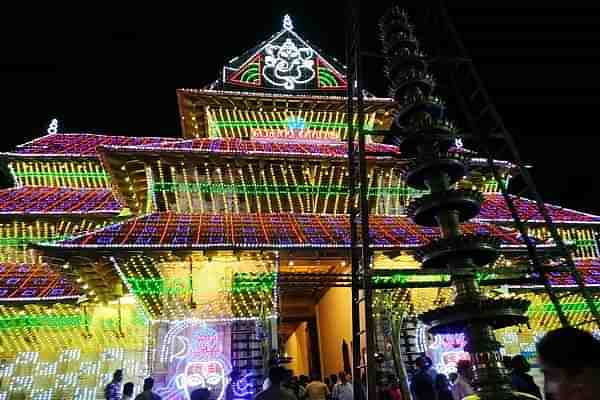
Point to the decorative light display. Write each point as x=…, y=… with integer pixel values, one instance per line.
x=288, y=65
x=317, y=126
x=446, y=351
x=53, y=127
x=78, y=144
x=198, y=358
x=33, y=282
x=495, y=209
x=55, y=200
x=16, y=236
x=242, y=283
x=287, y=23
x=312, y=148
x=248, y=231
x=269, y=174
x=229, y=293
x=74, y=174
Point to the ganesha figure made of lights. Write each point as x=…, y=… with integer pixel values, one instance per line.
x=198, y=362
x=288, y=65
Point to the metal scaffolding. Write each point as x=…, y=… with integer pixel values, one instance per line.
x=496, y=142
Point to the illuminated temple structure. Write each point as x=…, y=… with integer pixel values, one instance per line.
x=188, y=258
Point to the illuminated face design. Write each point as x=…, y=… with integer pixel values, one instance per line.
x=199, y=362
x=446, y=351
x=287, y=65
x=203, y=374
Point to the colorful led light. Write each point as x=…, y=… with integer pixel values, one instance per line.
x=273, y=230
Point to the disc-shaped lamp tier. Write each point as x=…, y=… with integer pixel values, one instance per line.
x=403, y=82
x=437, y=136
x=453, y=164
x=398, y=40
x=404, y=60
x=497, y=313
x=465, y=203
x=444, y=253
x=392, y=23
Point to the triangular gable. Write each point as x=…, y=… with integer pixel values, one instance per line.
x=285, y=63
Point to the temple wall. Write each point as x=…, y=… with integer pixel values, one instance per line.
x=334, y=322
x=297, y=348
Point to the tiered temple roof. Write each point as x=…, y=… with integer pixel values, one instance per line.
x=261, y=231
x=247, y=114
x=36, y=201
x=25, y=282
x=56, y=145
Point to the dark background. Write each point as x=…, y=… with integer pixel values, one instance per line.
x=114, y=70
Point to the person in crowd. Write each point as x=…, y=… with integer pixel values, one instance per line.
x=343, y=389
x=234, y=376
x=112, y=391
x=127, y=391
x=462, y=385
x=275, y=391
x=432, y=371
x=521, y=381
x=392, y=390
x=297, y=388
x=570, y=361
x=442, y=387
x=327, y=383
x=452, y=376
x=303, y=381
x=147, y=393
x=317, y=390
x=333, y=379
x=200, y=394
x=422, y=385
x=288, y=384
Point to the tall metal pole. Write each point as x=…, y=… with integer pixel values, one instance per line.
x=360, y=248
x=352, y=210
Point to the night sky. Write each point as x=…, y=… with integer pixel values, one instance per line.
x=114, y=70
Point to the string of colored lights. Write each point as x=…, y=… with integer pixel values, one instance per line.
x=15, y=236
x=56, y=173
x=285, y=188
x=163, y=293
x=272, y=230
x=495, y=209
x=79, y=144
x=307, y=124
x=54, y=200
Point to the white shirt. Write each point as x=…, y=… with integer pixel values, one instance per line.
x=343, y=391
x=461, y=389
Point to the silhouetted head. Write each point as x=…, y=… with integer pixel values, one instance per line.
x=453, y=376
x=200, y=394
x=118, y=375
x=148, y=384
x=570, y=361
x=276, y=375
x=343, y=377
x=520, y=364
x=128, y=389
x=422, y=363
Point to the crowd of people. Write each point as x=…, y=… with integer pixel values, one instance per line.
x=112, y=391
x=569, y=359
x=281, y=384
